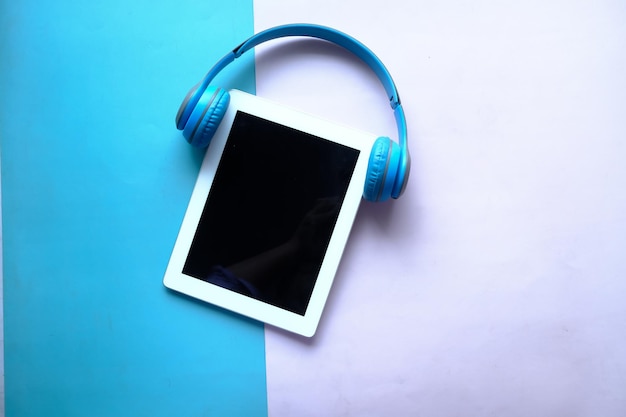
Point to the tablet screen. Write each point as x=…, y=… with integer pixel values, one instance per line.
x=270, y=213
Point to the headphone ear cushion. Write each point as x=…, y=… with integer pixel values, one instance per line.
x=206, y=116
x=381, y=170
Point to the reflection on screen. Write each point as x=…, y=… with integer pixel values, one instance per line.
x=270, y=213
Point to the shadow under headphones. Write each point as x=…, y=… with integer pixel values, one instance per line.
x=389, y=164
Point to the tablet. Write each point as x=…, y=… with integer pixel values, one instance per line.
x=270, y=214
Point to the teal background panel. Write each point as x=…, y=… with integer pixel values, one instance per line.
x=95, y=182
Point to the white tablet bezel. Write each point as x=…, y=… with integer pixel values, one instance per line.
x=306, y=324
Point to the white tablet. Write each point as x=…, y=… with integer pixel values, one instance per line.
x=270, y=214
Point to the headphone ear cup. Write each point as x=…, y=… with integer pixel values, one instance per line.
x=382, y=170
x=206, y=116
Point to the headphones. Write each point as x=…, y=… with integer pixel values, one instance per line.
x=389, y=164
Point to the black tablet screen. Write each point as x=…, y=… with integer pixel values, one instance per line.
x=270, y=213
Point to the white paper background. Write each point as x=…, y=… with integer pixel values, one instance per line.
x=496, y=285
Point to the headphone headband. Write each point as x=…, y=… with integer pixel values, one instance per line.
x=335, y=37
x=324, y=33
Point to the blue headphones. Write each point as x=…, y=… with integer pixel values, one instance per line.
x=389, y=164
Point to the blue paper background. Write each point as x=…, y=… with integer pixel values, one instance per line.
x=95, y=182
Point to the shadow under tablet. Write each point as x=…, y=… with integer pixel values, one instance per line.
x=271, y=211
